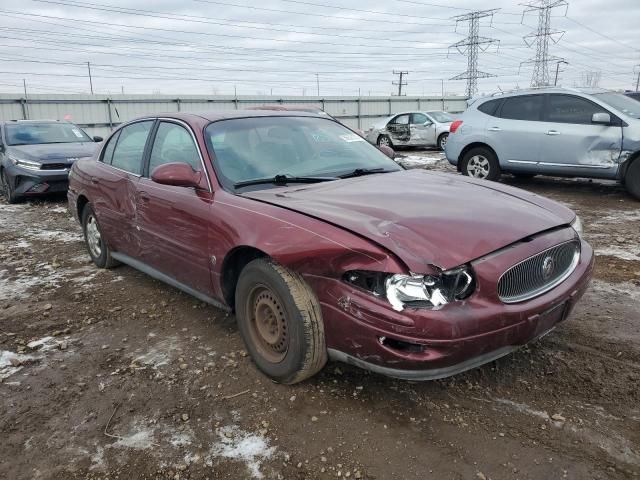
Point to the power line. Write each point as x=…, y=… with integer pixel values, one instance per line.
x=470, y=46
x=541, y=38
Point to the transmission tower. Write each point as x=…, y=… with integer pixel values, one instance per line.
x=541, y=38
x=400, y=83
x=471, y=46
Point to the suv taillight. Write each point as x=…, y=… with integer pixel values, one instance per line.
x=454, y=126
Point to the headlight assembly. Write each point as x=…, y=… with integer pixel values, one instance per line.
x=420, y=291
x=21, y=162
x=577, y=226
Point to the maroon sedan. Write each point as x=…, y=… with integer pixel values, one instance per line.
x=326, y=248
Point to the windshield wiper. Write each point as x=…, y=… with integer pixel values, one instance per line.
x=282, y=180
x=358, y=172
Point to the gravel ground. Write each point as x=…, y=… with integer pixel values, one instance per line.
x=110, y=374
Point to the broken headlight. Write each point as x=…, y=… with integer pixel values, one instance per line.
x=419, y=291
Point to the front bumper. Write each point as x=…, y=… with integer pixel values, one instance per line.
x=458, y=337
x=27, y=182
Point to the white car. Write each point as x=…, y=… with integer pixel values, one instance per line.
x=424, y=129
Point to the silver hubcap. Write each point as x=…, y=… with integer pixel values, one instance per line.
x=478, y=167
x=383, y=141
x=443, y=141
x=93, y=237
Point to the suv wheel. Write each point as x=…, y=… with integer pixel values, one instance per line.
x=280, y=322
x=481, y=163
x=384, y=140
x=98, y=249
x=7, y=189
x=442, y=141
x=632, y=179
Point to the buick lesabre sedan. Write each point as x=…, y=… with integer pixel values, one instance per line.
x=326, y=248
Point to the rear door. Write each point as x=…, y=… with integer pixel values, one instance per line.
x=117, y=174
x=423, y=130
x=573, y=145
x=517, y=131
x=173, y=221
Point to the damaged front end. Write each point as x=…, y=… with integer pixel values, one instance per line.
x=430, y=291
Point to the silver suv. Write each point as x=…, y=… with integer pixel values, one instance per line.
x=551, y=131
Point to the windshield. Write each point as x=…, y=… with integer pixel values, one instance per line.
x=441, y=117
x=253, y=148
x=39, y=133
x=620, y=102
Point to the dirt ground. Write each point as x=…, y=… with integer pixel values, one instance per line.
x=110, y=374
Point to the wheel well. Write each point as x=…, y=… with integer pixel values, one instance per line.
x=80, y=204
x=469, y=147
x=233, y=264
x=634, y=157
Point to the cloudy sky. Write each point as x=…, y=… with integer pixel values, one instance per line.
x=288, y=47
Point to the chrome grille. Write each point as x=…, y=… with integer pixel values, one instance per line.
x=540, y=273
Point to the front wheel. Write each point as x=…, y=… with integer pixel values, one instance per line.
x=481, y=163
x=384, y=140
x=280, y=321
x=8, y=189
x=442, y=141
x=632, y=179
x=98, y=249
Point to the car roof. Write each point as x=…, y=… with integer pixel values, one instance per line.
x=540, y=90
x=22, y=122
x=212, y=116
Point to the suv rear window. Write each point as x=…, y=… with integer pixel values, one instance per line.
x=525, y=107
x=490, y=107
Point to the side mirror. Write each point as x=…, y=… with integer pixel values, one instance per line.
x=388, y=151
x=97, y=139
x=178, y=174
x=428, y=123
x=601, y=118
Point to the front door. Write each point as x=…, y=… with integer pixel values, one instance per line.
x=398, y=129
x=573, y=145
x=423, y=130
x=173, y=221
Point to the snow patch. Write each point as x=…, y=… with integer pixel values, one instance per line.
x=11, y=363
x=523, y=408
x=419, y=161
x=158, y=355
x=140, y=440
x=624, y=289
x=57, y=236
x=237, y=444
x=630, y=254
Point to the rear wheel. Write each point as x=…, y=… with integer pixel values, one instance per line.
x=280, y=322
x=632, y=179
x=98, y=249
x=8, y=189
x=442, y=140
x=481, y=163
x=384, y=140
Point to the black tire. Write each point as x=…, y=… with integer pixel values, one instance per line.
x=481, y=162
x=632, y=179
x=384, y=140
x=442, y=140
x=7, y=189
x=103, y=258
x=295, y=349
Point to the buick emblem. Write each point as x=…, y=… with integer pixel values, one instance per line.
x=548, y=266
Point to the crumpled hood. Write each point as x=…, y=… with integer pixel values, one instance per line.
x=54, y=152
x=425, y=218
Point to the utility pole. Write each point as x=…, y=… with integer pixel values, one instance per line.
x=541, y=37
x=471, y=47
x=638, y=79
x=24, y=84
x=400, y=83
x=555, y=82
x=90, y=79
x=122, y=89
x=318, y=83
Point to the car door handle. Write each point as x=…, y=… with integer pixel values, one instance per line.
x=553, y=132
x=144, y=196
x=494, y=129
x=95, y=180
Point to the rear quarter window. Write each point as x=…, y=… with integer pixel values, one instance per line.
x=490, y=107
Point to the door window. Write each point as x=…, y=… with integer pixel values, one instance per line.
x=130, y=147
x=401, y=120
x=173, y=143
x=570, y=109
x=525, y=107
x=107, y=152
x=419, y=119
